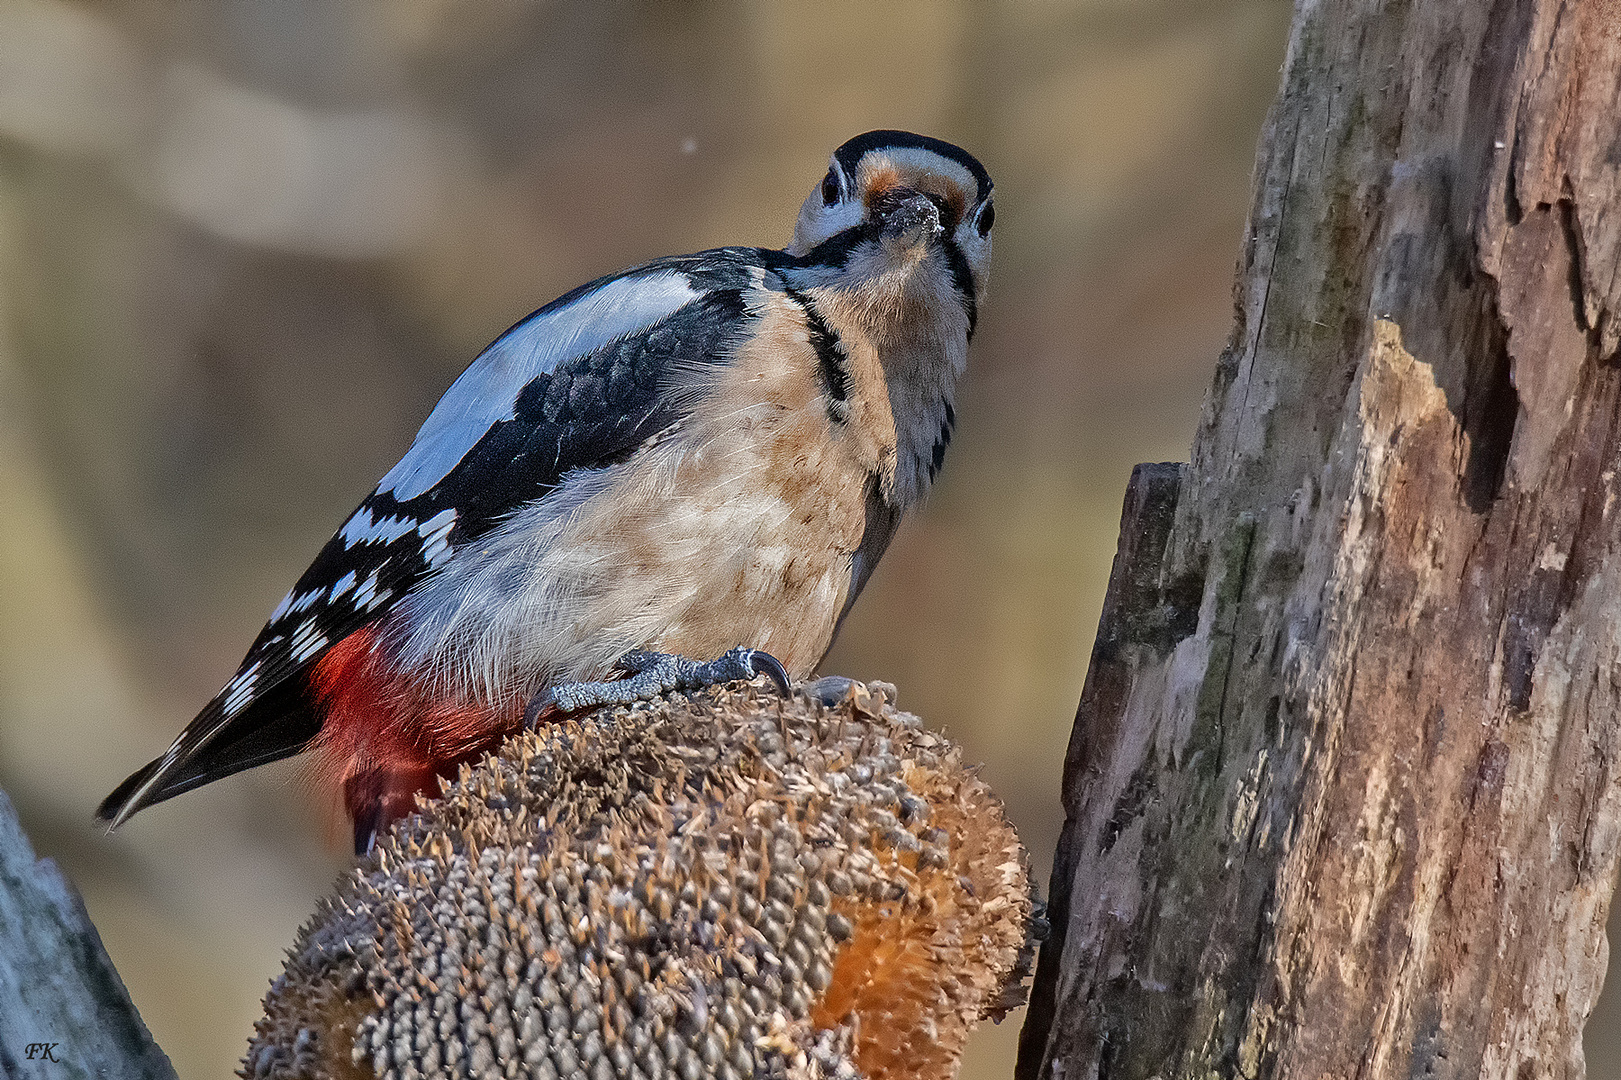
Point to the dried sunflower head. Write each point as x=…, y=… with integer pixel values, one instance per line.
x=728, y=885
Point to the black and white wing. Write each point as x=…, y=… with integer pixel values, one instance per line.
x=579, y=384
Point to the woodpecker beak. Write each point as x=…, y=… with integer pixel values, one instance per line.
x=907, y=218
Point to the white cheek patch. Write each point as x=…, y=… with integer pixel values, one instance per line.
x=487, y=392
x=977, y=250
x=819, y=222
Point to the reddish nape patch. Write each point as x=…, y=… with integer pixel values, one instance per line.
x=386, y=736
x=878, y=182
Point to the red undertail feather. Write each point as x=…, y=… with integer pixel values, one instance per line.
x=386, y=735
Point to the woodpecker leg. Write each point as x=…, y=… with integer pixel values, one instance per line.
x=655, y=673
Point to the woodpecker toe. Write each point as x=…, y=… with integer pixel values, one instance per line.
x=758, y=662
x=639, y=660
x=535, y=712
x=650, y=674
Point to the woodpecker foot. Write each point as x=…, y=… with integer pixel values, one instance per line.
x=655, y=673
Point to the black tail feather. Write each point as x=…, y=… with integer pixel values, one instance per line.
x=112, y=804
x=275, y=726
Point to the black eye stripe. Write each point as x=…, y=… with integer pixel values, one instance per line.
x=987, y=218
x=963, y=279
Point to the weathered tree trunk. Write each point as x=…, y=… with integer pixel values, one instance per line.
x=1341, y=795
x=64, y=1013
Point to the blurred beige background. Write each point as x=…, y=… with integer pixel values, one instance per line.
x=244, y=246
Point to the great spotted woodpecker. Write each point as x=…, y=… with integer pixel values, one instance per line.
x=699, y=454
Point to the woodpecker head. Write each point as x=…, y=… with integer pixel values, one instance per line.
x=897, y=209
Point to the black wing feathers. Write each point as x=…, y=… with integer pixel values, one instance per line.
x=275, y=726
x=591, y=411
x=588, y=414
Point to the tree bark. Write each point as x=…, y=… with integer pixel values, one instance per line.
x=64, y=1012
x=1341, y=795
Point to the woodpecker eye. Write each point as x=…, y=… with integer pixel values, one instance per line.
x=987, y=218
x=830, y=188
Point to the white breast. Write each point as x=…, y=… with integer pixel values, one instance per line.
x=739, y=530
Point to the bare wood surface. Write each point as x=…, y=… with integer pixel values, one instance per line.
x=1341, y=796
x=64, y=1013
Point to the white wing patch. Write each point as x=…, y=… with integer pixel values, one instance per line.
x=240, y=690
x=435, y=534
x=341, y=586
x=367, y=597
x=294, y=602
x=364, y=528
x=487, y=392
x=307, y=641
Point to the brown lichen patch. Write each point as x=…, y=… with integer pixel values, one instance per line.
x=661, y=891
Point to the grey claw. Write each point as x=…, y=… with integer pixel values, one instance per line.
x=536, y=706
x=758, y=662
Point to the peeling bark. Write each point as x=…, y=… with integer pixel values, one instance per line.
x=1341, y=796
